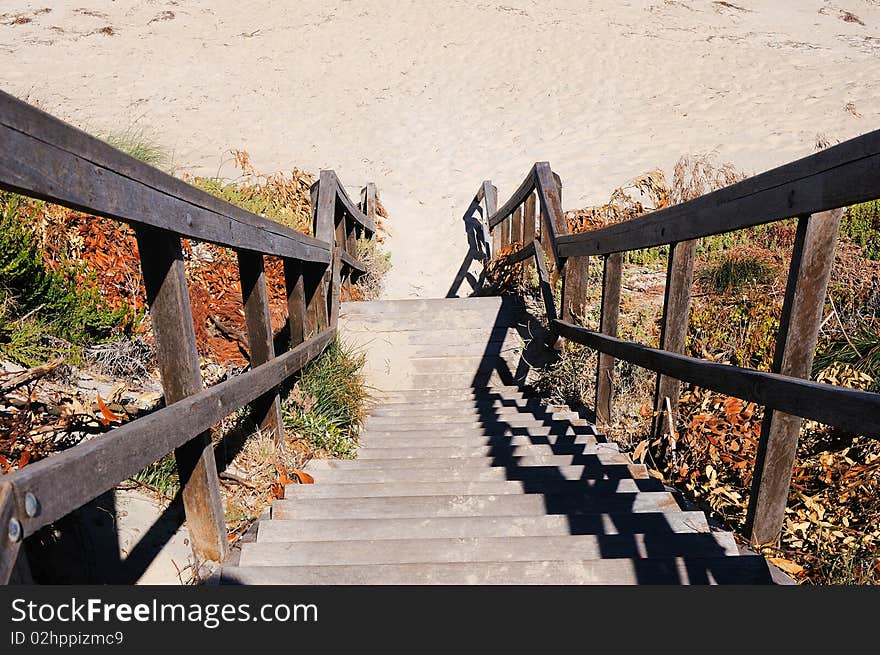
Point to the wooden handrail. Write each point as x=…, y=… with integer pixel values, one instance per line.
x=354, y=212
x=842, y=175
x=849, y=409
x=811, y=190
x=67, y=480
x=42, y=157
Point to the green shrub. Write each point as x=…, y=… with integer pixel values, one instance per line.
x=732, y=270
x=377, y=262
x=136, y=142
x=862, y=350
x=326, y=406
x=65, y=302
x=861, y=224
x=161, y=475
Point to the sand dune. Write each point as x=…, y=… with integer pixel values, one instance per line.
x=427, y=99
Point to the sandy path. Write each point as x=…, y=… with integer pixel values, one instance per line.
x=428, y=99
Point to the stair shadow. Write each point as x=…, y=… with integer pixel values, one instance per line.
x=478, y=251
x=616, y=533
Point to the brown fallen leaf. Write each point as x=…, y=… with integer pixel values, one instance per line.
x=302, y=477
x=107, y=416
x=792, y=568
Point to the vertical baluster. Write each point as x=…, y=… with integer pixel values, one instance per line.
x=505, y=232
x=252, y=273
x=490, y=204
x=608, y=325
x=171, y=315
x=528, y=228
x=325, y=227
x=297, y=317
x=516, y=225
x=574, y=287
x=808, y=275
x=673, y=328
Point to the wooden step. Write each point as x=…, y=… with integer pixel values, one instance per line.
x=477, y=487
x=455, y=472
x=492, y=451
x=463, y=505
x=488, y=549
x=461, y=412
x=444, y=439
x=459, y=430
x=518, y=420
x=595, y=460
x=539, y=525
x=678, y=570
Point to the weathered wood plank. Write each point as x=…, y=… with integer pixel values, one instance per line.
x=518, y=197
x=546, y=287
x=528, y=226
x=856, y=411
x=516, y=226
x=522, y=254
x=552, y=217
x=353, y=264
x=505, y=232
x=297, y=318
x=608, y=325
x=673, y=327
x=69, y=479
x=574, y=287
x=490, y=202
x=45, y=158
x=356, y=214
x=175, y=341
x=266, y=410
x=316, y=299
x=335, y=287
x=9, y=548
x=837, y=177
x=808, y=275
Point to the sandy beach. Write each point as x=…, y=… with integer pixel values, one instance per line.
x=428, y=99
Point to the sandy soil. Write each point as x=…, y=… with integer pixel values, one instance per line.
x=428, y=99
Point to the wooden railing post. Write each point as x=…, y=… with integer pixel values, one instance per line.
x=808, y=275
x=505, y=232
x=11, y=533
x=297, y=316
x=574, y=287
x=528, y=228
x=341, y=240
x=171, y=316
x=490, y=204
x=370, y=202
x=252, y=273
x=325, y=228
x=516, y=225
x=608, y=325
x=335, y=286
x=546, y=287
x=673, y=328
x=553, y=224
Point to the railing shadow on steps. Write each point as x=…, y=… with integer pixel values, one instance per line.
x=812, y=190
x=43, y=157
x=478, y=246
x=643, y=538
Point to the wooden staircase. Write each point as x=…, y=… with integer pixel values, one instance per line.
x=464, y=477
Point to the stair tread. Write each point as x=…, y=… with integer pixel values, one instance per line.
x=473, y=505
x=535, y=525
x=488, y=549
x=710, y=570
x=457, y=487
